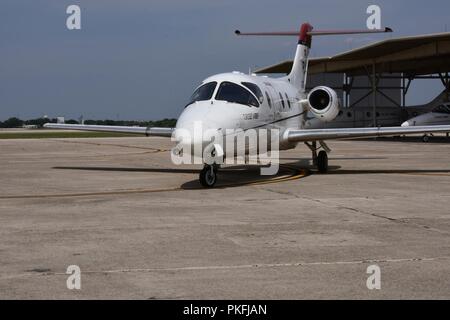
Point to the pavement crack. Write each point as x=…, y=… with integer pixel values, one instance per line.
x=371, y=214
x=234, y=267
x=402, y=221
x=284, y=193
x=355, y=210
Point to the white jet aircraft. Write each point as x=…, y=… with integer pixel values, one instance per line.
x=239, y=101
x=440, y=115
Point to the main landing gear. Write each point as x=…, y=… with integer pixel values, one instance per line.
x=426, y=137
x=320, y=160
x=208, y=175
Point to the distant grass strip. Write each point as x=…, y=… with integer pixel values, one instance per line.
x=63, y=134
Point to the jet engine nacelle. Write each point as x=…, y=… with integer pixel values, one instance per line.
x=323, y=103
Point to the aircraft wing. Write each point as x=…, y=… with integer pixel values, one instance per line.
x=148, y=131
x=354, y=133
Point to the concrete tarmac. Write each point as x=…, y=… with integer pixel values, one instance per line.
x=140, y=227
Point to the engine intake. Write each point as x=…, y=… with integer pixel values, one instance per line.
x=323, y=103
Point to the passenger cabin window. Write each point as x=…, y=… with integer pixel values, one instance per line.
x=255, y=89
x=287, y=99
x=442, y=109
x=203, y=93
x=268, y=100
x=282, y=101
x=232, y=92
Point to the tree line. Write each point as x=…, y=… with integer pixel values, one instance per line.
x=39, y=122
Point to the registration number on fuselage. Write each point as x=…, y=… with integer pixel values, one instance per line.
x=250, y=116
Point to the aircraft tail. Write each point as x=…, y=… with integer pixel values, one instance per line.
x=413, y=111
x=299, y=70
x=443, y=97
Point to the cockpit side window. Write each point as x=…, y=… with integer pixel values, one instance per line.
x=203, y=93
x=255, y=89
x=443, y=108
x=232, y=92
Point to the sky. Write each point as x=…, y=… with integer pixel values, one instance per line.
x=141, y=59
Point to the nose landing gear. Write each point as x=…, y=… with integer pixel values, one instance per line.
x=208, y=176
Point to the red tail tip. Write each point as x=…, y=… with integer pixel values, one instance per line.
x=304, y=38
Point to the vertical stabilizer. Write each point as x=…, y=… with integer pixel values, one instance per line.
x=297, y=76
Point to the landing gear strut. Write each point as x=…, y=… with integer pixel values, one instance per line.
x=208, y=176
x=319, y=160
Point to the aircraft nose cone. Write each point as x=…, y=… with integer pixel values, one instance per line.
x=195, y=141
x=195, y=129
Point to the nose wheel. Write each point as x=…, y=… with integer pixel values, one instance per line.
x=208, y=176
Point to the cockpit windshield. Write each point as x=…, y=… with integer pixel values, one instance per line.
x=443, y=108
x=203, y=92
x=232, y=92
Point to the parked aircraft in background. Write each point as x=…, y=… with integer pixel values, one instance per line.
x=440, y=115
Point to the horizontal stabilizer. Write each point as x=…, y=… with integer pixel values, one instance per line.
x=313, y=33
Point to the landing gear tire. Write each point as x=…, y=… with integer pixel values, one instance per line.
x=322, y=162
x=208, y=176
x=425, y=138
